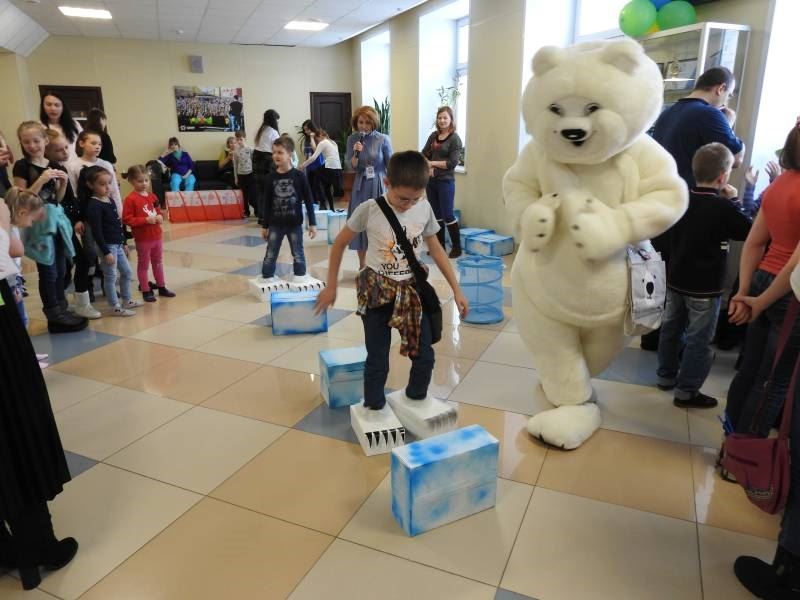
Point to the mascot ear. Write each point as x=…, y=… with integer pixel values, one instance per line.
x=547, y=58
x=625, y=55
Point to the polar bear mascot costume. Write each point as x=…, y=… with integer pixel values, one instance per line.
x=589, y=184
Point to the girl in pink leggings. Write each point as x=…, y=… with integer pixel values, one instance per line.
x=141, y=213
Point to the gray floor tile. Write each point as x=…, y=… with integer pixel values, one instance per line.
x=506, y=595
x=250, y=241
x=78, y=464
x=633, y=366
x=63, y=346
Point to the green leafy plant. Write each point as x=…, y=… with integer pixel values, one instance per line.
x=342, y=145
x=448, y=96
x=384, y=110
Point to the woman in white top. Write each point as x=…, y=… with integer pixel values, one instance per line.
x=329, y=176
x=55, y=114
x=262, y=152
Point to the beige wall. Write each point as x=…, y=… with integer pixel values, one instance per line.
x=15, y=98
x=137, y=79
x=495, y=68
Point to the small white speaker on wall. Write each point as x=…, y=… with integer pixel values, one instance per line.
x=196, y=64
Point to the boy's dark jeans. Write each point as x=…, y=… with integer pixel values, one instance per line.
x=378, y=336
x=276, y=235
x=746, y=392
x=51, y=277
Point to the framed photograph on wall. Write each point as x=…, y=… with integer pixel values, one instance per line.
x=209, y=108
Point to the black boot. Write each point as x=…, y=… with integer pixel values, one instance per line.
x=778, y=581
x=8, y=558
x=165, y=293
x=440, y=234
x=37, y=545
x=455, y=239
x=60, y=321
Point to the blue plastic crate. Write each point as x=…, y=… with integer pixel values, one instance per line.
x=342, y=375
x=293, y=313
x=467, y=232
x=489, y=244
x=321, y=217
x=336, y=222
x=444, y=478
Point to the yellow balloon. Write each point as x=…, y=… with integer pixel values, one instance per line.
x=654, y=29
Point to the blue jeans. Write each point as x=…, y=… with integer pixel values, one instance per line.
x=747, y=410
x=16, y=290
x=51, y=277
x=378, y=336
x=176, y=181
x=233, y=122
x=441, y=194
x=276, y=235
x=688, y=325
x=110, y=275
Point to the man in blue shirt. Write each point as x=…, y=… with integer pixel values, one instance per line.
x=699, y=119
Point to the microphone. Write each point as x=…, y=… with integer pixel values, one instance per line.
x=360, y=141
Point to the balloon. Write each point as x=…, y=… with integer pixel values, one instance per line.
x=659, y=3
x=654, y=29
x=676, y=14
x=636, y=17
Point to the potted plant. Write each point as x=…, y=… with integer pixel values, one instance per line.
x=384, y=110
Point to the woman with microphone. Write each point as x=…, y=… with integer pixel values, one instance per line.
x=368, y=153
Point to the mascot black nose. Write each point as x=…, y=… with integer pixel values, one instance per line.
x=650, y=288
x=574, y=135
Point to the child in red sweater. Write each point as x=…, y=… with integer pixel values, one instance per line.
x=140, y=212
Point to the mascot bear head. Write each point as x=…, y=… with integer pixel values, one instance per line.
x=591, y=101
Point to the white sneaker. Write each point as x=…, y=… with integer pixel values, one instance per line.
x=119, y=311
x=131, y=304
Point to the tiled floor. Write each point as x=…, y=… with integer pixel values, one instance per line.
x=206, y=467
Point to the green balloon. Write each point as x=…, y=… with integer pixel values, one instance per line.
x=637, y=17
x=677, y=13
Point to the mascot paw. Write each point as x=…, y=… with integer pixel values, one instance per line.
x=566, y=427
x=596, y=230
x=539, y=221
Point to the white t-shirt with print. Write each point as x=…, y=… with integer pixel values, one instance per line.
x=384, y=253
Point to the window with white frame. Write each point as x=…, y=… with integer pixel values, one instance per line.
x=443, y=65
x=597, y=20
x=375, y=69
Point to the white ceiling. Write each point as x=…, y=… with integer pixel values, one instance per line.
x=218, y=21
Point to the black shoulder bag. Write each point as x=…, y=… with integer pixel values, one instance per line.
x=427, y=295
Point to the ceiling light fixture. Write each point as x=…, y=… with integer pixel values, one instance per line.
x=306, y=25
x=85, y=13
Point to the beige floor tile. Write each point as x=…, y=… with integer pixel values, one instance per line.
x=180, y=277
x=253, y=343
x=705, y=428
x=191, y=377
x=347, y=571
x=66, y=390
x=723, y=504
x=477, y=546
x=573, y=547
x=110, y=420
x=35, y=326
x=305, y=357
x=125, y=327
x=641, y=410
x=187, y=331
x=270, y=394
x=336, y=478
x=448, y=373
x=630, y=470
x=188, y=300
x=226, y=285
x=204, y=262
x=112, y=513
x=118, y=361
x=11, y=589
x=521, y=456
x=465, y=342
x=199, y=449
x=508, y=349
x=243, y=308
x=217, y=551
x=719, y=548
x=502, y=387
x=451, y=317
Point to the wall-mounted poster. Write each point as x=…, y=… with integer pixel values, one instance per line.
x=209, y=108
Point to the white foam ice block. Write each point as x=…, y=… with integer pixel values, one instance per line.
x=305, y=283
x=378, y=431
x=262, y=289
x=423, y=418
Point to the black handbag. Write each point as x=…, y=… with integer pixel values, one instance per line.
x=427, y=295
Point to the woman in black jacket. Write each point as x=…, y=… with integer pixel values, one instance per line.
x=443, y=151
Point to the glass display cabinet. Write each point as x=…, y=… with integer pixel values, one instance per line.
x=684, y=53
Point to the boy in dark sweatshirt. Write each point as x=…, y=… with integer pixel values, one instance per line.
x=695, y=271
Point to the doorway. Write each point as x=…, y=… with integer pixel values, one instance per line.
x=332, y=111
x=80, y=99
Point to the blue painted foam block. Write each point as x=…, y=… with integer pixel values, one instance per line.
x=489, y=244
x=336, y=221
x=444, y=478
x=321, y=217
x=293, y=312
x=467, y=232
x=342, y=375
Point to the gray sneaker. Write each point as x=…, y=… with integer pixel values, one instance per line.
x=121, y=311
